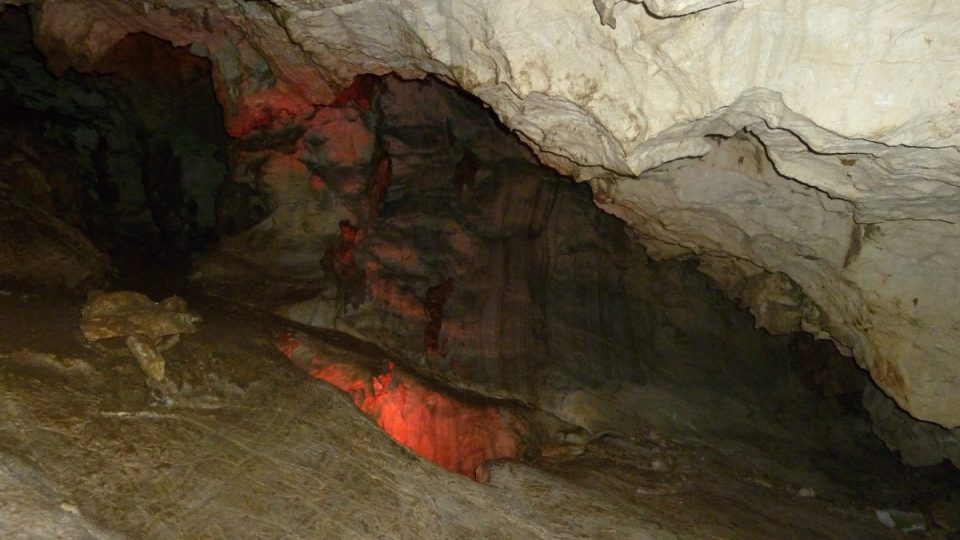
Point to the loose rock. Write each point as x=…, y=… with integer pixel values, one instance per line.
x=150, y=326
x=125, y=313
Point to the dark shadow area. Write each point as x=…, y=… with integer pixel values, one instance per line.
x=131, y=154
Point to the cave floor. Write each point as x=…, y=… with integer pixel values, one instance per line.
x=241, y=444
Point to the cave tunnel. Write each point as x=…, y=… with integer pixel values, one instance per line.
x=187, y=244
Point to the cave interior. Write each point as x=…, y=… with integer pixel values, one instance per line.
x=500, y=357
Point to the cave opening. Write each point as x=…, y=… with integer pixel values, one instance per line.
x=402, y=245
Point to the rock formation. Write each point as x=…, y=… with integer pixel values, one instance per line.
x=620, y=259
x=804, y=153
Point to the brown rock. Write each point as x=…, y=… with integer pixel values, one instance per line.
x=126, y=313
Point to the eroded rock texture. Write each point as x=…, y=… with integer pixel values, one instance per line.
x=459, y=433
x=804, y=151
x=404, y=215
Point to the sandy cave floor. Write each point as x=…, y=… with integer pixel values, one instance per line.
x=248, y=446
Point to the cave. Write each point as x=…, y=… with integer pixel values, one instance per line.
x=422, y=270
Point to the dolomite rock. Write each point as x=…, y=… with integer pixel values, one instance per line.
x=851, y=109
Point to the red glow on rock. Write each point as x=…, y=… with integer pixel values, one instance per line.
x=362, y=92
x=340, y=256
x=272, y=108
x=317, y=183
x=345, y=138
x=396, y=298
x=457, y=435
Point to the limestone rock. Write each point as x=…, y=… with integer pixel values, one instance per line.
x=659, y=8
x=147, y=356
x=854, y=102
x=149, y=326
x=466, y=212
x=455, y=432
x=125, y=313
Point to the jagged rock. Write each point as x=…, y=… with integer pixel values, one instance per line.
x=147, y=356
x=149, y=326
x=919, y=443
x=125, y=313
x=859, y=127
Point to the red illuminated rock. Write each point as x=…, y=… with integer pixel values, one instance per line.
x=455, y=432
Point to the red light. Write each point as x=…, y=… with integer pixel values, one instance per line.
x=448, y=431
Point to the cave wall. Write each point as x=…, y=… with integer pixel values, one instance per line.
x=851, y=103
x=852, y=100
x=406, y=215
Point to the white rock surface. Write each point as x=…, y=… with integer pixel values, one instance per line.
x=855, y=102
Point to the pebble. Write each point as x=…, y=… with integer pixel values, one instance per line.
x=907, y=522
